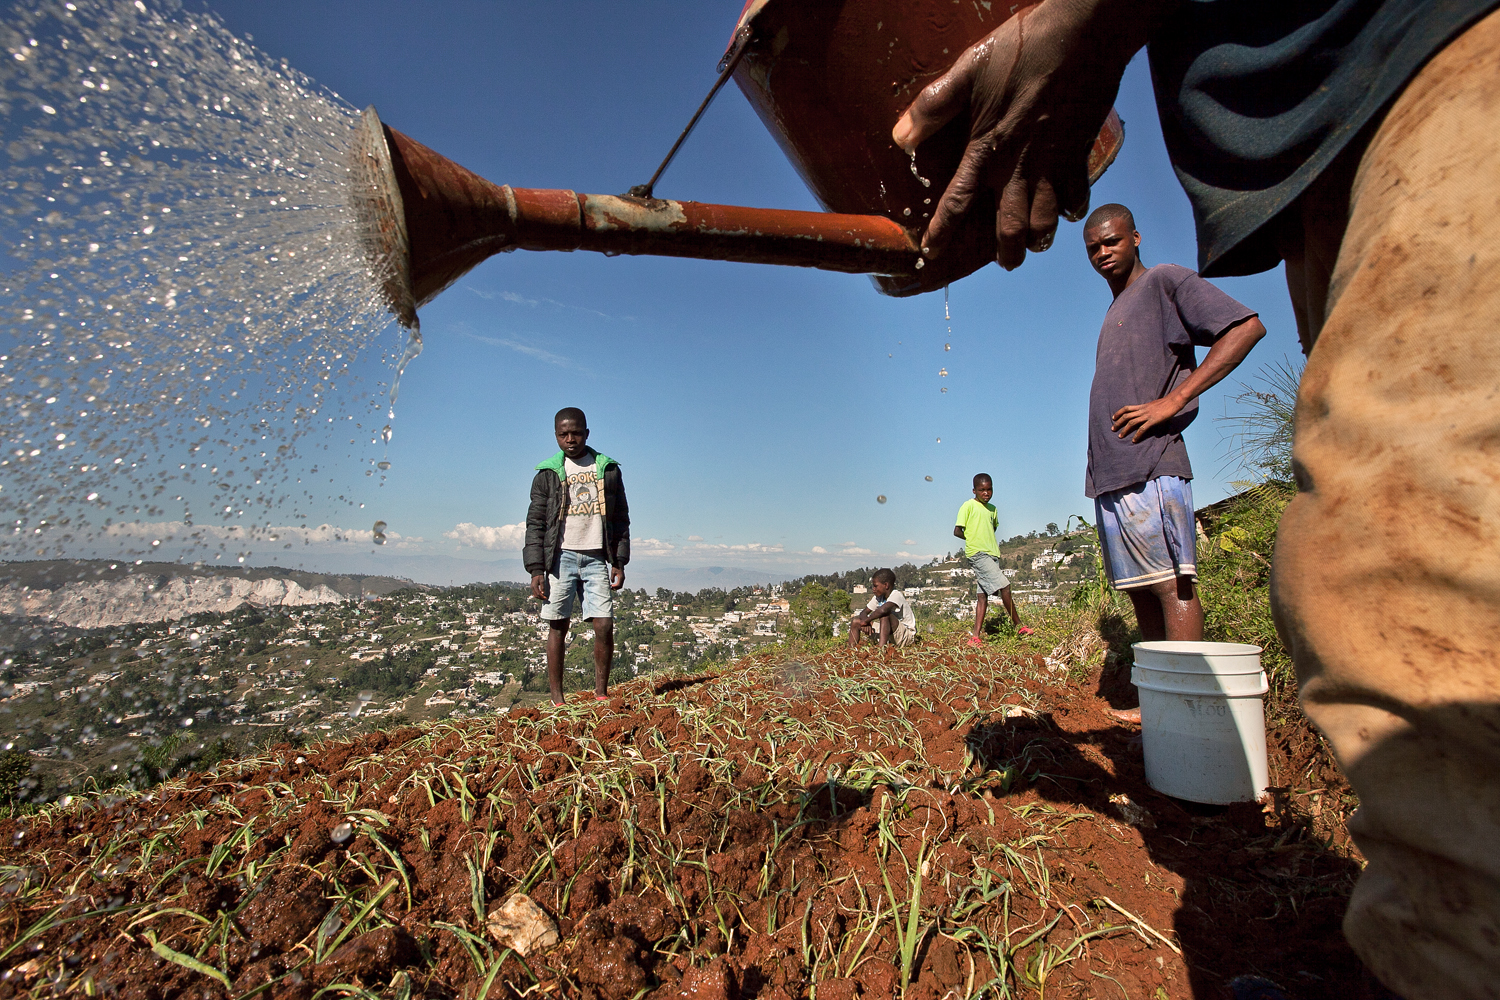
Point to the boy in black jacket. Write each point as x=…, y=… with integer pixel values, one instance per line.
x=577, y=545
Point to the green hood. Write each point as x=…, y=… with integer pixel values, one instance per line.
x=555, y=463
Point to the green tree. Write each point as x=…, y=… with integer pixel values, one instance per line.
x=815, y=609
x=15, y=767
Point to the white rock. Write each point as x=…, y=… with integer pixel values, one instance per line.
x=98, y=603
x=521, y=925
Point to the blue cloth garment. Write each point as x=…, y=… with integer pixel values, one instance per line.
x=1257, y=98
x=1147, y=532
x=579, y=574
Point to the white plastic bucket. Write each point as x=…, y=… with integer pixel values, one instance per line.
x=1203, y=727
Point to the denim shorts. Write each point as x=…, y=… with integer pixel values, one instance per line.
x=575, y=574
x=1148, y=532
x=987, y=572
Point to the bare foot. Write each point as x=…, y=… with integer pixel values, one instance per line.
x=1130, y=715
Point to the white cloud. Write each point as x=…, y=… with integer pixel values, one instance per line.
x=526, y=349
x=650, y=547
x=848, y=545
x=820, y=550
x=749, y=547
x=504, y=538
x=695, y=538
x=909, y=541
x=855, y=551
x=522, y=300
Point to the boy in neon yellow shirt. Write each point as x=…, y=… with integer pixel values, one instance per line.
x=976, y=525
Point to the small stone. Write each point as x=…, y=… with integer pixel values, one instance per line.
x=1132, y=812
x=521, y=925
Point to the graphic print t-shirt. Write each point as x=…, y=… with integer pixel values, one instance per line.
x=908, y=617
x=583, y=531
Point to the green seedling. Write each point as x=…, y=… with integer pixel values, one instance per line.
x=187, y=961
x=359, y=917
x=472, y=943
x=909, y=937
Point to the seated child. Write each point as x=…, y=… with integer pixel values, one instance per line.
x=976, y=525
x=888, y=617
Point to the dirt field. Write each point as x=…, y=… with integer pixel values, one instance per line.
x=954, y=824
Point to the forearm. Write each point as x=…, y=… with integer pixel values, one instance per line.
x=1223, y=358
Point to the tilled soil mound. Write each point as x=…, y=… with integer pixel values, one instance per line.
x=932, y=824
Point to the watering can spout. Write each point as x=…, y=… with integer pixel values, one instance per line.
x=425, y=221
x=828, y=79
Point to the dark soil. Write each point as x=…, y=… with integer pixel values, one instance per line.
x=730, y=836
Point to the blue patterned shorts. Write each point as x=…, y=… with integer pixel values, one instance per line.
x=1148, y=532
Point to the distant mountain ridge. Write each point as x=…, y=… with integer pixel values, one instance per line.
x=94, y=593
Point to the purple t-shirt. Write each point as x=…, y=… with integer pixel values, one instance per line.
x=1146, y=351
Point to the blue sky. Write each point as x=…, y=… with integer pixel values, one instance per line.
x=757, y=412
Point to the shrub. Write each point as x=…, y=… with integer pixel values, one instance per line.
x=1235, y=577
x=815, y=610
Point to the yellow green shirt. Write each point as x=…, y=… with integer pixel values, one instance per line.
x=979, y=522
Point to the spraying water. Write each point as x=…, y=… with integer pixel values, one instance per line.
x=184, y=292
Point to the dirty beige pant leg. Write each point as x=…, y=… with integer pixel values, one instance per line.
x=1387, y=569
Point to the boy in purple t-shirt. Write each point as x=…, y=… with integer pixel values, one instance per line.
x=1146, y=386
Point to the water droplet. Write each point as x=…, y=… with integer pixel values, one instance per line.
x=939, y=440
x=921, y=263
x=382, y=466
x=928, y=478
x=943, y=389
x=880, y=499
x=342, y=834
x=906, y=211
x=413, y=348
x=947, y=347
x=925, y=182
x=942, y=373
x=385, y=434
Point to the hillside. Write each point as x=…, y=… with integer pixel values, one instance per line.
x=969, y=821
x=103, y=592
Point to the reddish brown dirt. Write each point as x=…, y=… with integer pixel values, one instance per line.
x=737, y=864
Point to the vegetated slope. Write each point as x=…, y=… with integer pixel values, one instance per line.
x=959, y=822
